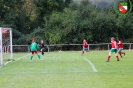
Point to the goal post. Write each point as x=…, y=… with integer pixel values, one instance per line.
x=6, y=49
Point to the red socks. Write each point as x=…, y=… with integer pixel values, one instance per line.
x=120, y=54
x=117, y=57
x=108, y=57
x=82, y=52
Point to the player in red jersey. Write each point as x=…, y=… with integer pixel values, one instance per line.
x=120, y=48
x=85, y=46
x=113, y=49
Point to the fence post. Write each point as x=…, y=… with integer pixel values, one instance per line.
x=48, y=48
x=129, y=46
x=108, y=46
x=88, y=47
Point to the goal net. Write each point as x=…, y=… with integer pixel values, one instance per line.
x=5, y=45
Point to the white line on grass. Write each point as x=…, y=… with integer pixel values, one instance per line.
x=7, y=63
x=15, y=59
x=93, y=67
x=22, y=57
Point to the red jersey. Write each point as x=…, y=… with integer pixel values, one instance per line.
x=120, y=44
x=114, y=44
x=85, y=45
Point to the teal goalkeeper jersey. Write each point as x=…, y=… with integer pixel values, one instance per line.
x=34, y=46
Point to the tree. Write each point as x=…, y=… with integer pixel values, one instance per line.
x=45, y=7
x=11, y=16
x=60, y=25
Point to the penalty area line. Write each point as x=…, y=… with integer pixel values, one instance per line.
x=22, y=57
x=93, y=67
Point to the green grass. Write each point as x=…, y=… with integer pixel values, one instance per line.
x=68, y=70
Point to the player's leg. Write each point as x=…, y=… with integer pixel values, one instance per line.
x=32, y=53
x=43, y=51
x=116, y=54
x=119, y=52
x=83, y=50
x=122, y=52
x=111, y=51
x=109, y=55
x=36, y=52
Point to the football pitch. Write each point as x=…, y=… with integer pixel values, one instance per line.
x=68, y=69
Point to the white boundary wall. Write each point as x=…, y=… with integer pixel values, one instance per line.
x=108, y=45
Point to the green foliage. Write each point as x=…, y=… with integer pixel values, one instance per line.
x=63, y=21
x=60, y=25
x=11, y=11
x=83, y=21
x=46, y=7
x=13, y=15
x=38, y=34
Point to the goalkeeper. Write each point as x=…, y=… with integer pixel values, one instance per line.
x=34, y=47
